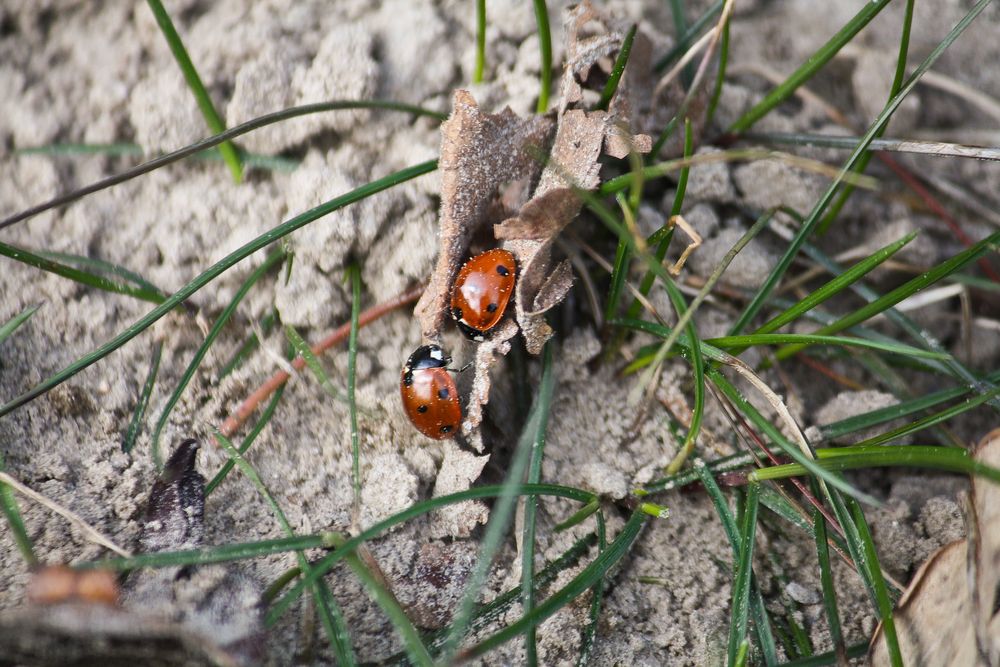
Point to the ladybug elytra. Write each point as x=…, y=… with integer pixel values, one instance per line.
x=482, y=291
x=430, y=397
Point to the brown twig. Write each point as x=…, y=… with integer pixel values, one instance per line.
x=338, y=335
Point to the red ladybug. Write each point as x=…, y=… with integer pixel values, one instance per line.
x=481, y=292
x=430, y=397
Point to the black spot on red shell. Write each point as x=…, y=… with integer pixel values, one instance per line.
x=503, y=270
x=422, y=409
x=443, y=392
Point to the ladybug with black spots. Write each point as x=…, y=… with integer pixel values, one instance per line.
x=430, y=397
x=482, y=291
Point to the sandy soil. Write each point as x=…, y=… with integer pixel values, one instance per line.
x=101, y=73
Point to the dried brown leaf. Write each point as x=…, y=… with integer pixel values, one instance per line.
x=480, y=154
x=488, y=163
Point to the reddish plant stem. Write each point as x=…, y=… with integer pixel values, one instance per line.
x=829, y=372
x=813, y=500
x=932, y=203
x=338, y=335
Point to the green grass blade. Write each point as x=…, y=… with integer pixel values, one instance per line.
x=834, y=286
x=83, y=277
x=772, y=432
x=722, y=465
x=829, y=658
x=762, y=623
x=11, y=512
x=534, y=476
x=545, y=51
x=108, y=268
x=951, y=367
x=720, y=75
x=271, y=162
x=302, y=349
x=685, y=41
x=931, y=420
x=330, y=614
x=503, y=509
x=815, y=216
x=666, y=232
x=11, y=325
x=121, y=149
x=415, y=648
x=354, y=277
x=905, y=290
x=697, y=369
x=249, y=346
x=617, y=69
x=883, y=603
x=826, y=578
x=740, y=618
x=325, y=540
x=812, y=65
x=192, y=367
x=948, y=459
x=215, y=140
x=265, y=417
x=139, y=414
x=735, y=343
x=897, y=83
x=214, y=272
x=477, y=75
x=212, y=118
x=866, y=420
x=616, y=551
x=620, y=268
x=590, y=633
x=488, y=614
x=413, y=511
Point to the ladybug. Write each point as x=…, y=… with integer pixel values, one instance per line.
x=481, y=292
x=430, y=398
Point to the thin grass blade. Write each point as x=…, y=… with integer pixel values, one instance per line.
x=834, y=286
x=214, y=272
x=807, y=228
x=621, y=60
x=503, y=509
x=212, y=118
x=812, y=65
x=11, y=512
x=11, y=325
x=78, y=275
x=139, y=414
x=272, y=260
x=616, y=551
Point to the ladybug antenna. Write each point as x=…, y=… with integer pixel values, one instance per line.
x=460, y=370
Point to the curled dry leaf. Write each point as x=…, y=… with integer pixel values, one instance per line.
x=946, y=616
x=480, y=154
x=489, y=162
